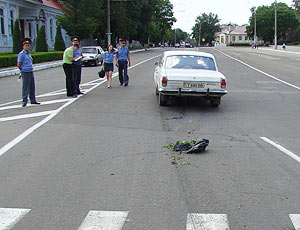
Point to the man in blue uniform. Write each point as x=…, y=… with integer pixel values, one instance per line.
x=123, y=57
x=76, y=66
x=24, y=63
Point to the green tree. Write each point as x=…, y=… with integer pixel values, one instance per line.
x=41, y=44
x=59, y=44
x=17, y=38
x=286, y=21
x=206, y=25
x=82, y=17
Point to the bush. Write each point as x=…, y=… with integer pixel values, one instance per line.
x=17, y=38
x=41, y=44
x=11, y=59
x=240, y=44
x=59, y=44
x=294, y=43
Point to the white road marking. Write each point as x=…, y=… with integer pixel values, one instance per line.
x=24, y=116
x=27, y=132
x=295, y=218
x=10, y=216
x=28, y=105
x=199, y=221
x=281, y=148
x=104, y=220
x=268, y=75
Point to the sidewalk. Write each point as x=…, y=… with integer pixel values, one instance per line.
x=5, y=72
x=288, y=49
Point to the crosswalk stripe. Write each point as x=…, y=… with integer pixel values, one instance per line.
x=199, y=221
x=104, y=220
x=30, y=115
x=295, y=218
x=10, y=216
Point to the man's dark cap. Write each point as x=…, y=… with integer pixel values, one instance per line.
x=122, y=40
x=26, y=41
x=75, y=38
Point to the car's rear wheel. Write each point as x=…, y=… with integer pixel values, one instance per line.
x=215, y=102
x=163, y=99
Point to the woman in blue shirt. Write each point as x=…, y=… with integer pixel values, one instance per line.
x=108, y=59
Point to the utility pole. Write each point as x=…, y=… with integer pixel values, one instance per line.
x=108, y=23
x=200, y=24
x=275, y=34
x=255, y=36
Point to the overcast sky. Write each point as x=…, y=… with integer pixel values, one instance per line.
x=235, y=11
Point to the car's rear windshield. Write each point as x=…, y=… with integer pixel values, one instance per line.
x=189, y=62
x=89, y=50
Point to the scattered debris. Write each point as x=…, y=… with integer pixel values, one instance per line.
x=176, y=161
x=189, y=146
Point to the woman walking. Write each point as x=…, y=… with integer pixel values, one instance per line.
x=108, y=59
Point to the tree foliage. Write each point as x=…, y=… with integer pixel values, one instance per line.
x=41, y=43
x=206, y=25
x=17, y=38
x=59, y=44
x=265, y=21
x=130, y=19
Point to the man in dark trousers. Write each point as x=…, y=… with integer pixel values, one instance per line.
x=24, y=63
x=76, y=66
x=67, y=66
x=123, y=56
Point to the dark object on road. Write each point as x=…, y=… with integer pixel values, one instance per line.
x=199, y=146
x=173, y=118
x=182, y=147
x=101, y=73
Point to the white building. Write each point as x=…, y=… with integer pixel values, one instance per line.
x=32, y=15
x=233, y=34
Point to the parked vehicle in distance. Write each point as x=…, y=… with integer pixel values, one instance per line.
x=177, y=45
x=92, y=55
x=189, y=73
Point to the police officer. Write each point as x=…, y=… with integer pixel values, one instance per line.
x=123, y=62
x=24, y=63
x=76, y=66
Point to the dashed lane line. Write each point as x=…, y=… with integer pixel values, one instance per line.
x=10, y=216
x=282, y=149
x=197, y=221
x=295, y=218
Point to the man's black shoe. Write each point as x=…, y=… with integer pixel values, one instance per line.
x=126, y=84
x=24, y=104
x=35, y=103
x=80, y=93
x=121, y=84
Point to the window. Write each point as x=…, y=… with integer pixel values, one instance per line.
x=29, y=29
x=246, y=38
x=233, y=38
x=240, y=38
x=37, y=28
x=2, y=21
x=189, y=62
x=12, y=21
x=51, y=29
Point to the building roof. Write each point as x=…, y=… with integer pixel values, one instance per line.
x=239, y=30
x=51, y=3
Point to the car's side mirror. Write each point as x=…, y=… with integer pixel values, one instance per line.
x=156, y=63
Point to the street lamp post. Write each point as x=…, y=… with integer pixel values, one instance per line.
x=200, y=24
x=275, y=27
x=255, y=36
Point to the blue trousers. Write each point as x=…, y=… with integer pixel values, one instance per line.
x=28, y=88
x=123, y=77
x=76, y=74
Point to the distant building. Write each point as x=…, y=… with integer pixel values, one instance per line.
x=32, y=14
x=231, y=34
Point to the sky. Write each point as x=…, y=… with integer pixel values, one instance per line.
x=234, y=11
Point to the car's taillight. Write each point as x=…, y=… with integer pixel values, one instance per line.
x=164, y=81
x=223, y=83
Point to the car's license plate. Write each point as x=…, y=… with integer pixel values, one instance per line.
x=199, y=85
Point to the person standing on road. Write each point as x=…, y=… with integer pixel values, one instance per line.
x=108, y=66
x=76, y=66
x=123, y=57
x=67, y=66
x=24, y=63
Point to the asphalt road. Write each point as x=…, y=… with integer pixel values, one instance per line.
x=103, y=152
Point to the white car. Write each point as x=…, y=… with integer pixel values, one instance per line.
x=92, y=54
x=189, y=73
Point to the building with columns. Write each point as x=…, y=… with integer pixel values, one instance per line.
x=32, y=15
